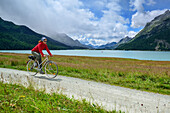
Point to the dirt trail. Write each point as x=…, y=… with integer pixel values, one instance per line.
x=108, y=96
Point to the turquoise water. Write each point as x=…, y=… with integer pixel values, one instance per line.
x=141, y=55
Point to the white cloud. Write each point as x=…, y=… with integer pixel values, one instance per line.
x=111, y=26
x=141, y=17
x=49, y=16
x=151, y=2
x=68, y=16
x=95, y=4
x=131, y=34
x=138, y=5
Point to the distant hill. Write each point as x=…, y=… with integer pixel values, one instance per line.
x=107, y=46
x=65, y=39
x=154, y=36
x=90, y=46
x=113, y=45
x=16, y=37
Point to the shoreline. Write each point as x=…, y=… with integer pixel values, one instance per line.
x=99, y=54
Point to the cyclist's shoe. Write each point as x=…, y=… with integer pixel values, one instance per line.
x=42, y=72
x=35, y=64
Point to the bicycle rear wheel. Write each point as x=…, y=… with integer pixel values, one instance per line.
x=32, y=67
x=51, y=69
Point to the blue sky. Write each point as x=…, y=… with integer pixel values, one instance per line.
x=93, y=22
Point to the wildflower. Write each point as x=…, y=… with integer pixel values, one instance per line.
x=12, y=105
x=22, y=96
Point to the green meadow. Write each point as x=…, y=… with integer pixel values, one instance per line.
x=151, y=76
x=18, y=99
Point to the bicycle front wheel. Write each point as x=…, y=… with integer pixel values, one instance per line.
x=32, y=68
x=51, y=69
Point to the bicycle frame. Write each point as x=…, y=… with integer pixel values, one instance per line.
x=43, y=62
x=50, y=67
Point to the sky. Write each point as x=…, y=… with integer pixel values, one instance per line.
x=94, y=22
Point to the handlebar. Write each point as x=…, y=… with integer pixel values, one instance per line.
x=47, y=56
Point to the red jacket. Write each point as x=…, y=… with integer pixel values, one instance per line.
x=41, y=46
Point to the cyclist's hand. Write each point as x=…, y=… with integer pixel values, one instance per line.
x=44, y=55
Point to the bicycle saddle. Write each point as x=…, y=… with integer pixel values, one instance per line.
x=32, y=57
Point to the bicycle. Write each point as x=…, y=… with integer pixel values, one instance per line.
x=33, y=66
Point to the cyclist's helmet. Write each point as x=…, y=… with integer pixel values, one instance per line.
x=43, y=38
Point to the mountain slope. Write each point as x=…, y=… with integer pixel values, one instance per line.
x=154, y=36
x=122, y=41
x=107, y=46
x=113, y=45
x=21, y=37
x=65, y=39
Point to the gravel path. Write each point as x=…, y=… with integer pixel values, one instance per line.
x=109, y=96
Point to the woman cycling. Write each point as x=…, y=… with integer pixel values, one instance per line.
x=37, y=51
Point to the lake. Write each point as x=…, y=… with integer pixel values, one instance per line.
x=141, y=55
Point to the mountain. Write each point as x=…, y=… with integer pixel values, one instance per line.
x=107, y=46
x=113, y=45
x=90, y=46
x=154, y=36
x=16, y=37
x=122, y=41
x=63, y=38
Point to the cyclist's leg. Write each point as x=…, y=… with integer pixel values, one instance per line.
x=38, y=57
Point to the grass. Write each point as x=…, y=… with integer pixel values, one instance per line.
x=18, y=99
x=152, y=76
